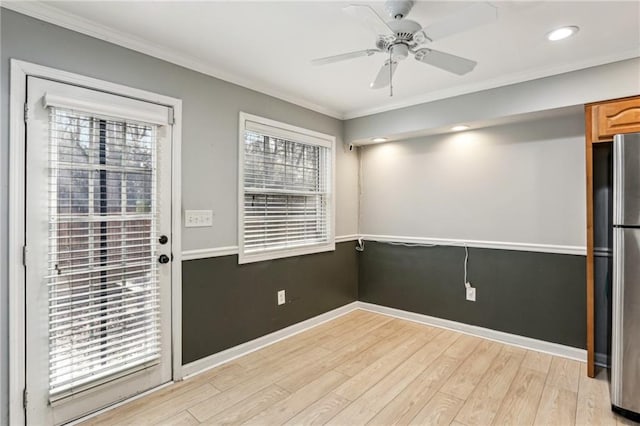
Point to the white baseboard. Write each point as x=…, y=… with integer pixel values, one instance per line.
x=227, y=355
x=486, y=333
x=230, y=354
x=345, y=238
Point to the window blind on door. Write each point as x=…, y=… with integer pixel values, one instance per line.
x=102, y=279
x=286, y=193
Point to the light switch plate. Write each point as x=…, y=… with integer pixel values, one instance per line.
x=198, y=218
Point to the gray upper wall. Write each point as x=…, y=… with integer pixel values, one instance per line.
x=210, y=118
x=610, y=81
x=210, y=123
x=515, y=183
x=209, y=139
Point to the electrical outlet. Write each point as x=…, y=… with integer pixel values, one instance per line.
x=281, y=297
x=471, y=294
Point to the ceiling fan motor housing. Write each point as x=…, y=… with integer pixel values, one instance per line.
x=400, y=45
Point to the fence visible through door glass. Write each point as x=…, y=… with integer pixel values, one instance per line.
x=103, y=286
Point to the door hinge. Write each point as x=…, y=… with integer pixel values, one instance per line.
x=26, y=112
x=24, y=398
x=172, y=119
x=24, y=255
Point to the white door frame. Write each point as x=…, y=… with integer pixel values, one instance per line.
x=17, y=186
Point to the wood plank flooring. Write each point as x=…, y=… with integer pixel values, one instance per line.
x=366, y=368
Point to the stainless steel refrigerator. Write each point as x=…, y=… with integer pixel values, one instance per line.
x=625, y=327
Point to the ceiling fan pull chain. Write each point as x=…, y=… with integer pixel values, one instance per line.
x=390, y=74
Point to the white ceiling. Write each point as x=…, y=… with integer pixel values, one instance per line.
x=268, y=45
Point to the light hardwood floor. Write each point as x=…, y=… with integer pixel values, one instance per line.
x=366, y=368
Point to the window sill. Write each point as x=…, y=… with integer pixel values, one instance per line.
x=278, y=254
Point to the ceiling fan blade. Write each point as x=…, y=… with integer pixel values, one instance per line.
x=344, y=56
x=446, y=61
x=371, y=19
x=472, y=16
x=384, y=75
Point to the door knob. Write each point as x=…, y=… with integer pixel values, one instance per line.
x=163, y=259
x=163, y=239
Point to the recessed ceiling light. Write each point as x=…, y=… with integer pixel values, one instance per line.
x=379, y=139
x=562, y=33
x=459, y=128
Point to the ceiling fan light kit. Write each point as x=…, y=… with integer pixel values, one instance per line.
x=399, y=52
x=400, y=37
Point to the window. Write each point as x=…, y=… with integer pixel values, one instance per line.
x=286, y=187
x=102, y=279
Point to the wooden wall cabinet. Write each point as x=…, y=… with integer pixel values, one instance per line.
x=603, y=121
x=612, y=118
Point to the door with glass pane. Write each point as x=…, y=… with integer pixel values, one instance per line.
x=98, y=250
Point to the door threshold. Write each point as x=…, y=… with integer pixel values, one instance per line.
x=118, y=404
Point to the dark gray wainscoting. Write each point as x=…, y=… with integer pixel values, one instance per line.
x=225, y=304
x=538, y=295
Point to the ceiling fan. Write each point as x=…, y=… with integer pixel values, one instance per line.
x=400, y=37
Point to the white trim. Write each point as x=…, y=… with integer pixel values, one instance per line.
x=542, y=248
x=286, y=131
x=282, y=253
x=209, y=252
x=265, y=126
x=227, y=355
x=230, y=354
x=500, y=245
x=231, y=250
x=74, y=98
x=176, y=241
x=17, y=98
x=501, y=81
x=346, y=238
x=41, y=10
x=17, y=153
x=196, y=367
x=485, y=333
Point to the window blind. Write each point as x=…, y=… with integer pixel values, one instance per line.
x=102, y=281
x=286, y=193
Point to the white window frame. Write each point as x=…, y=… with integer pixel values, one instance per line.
x=295, y=134
x=17, y=186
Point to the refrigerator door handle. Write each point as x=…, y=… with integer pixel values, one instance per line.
x=616, y=329
x=618, y=190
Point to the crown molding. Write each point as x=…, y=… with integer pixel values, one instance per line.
x=41, y=10
x=53, y=15
x=506, y=80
